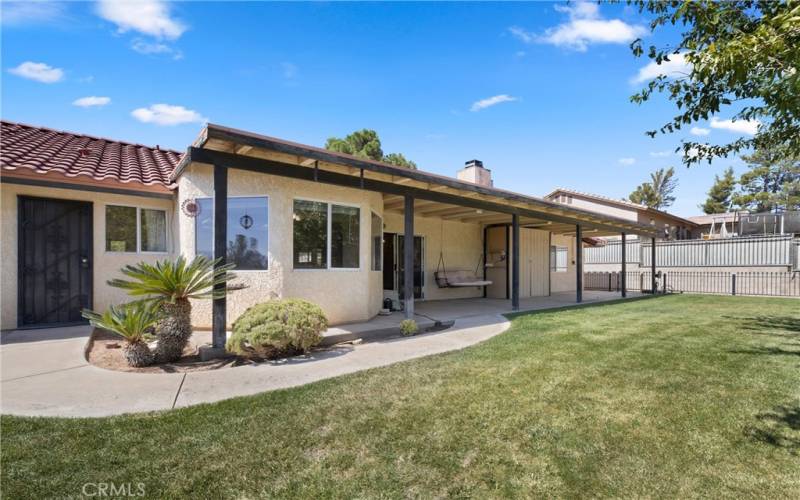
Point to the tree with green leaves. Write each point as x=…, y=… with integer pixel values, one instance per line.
x=719, y=196
x=740, y=56
x=658, y=192
x=772, y=182
x=365, y=143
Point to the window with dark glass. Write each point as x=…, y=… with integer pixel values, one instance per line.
x=248, y=231
x=120, y=229
x=376, y=233
x=344, y=236
x=153, y=230
x=310, y=234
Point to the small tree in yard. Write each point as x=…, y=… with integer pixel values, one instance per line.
x=171, y=284
x=131, y=321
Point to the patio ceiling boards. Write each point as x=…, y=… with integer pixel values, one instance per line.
x=434, y=195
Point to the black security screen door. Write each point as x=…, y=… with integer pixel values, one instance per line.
x=55, y=261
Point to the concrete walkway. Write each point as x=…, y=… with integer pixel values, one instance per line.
x=45, y=373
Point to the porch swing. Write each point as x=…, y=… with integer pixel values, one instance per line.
x=460, y=278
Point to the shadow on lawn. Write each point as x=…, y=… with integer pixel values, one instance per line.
x=779, y=427
x=778, y=326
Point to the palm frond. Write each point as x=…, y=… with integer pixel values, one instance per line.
x=130, y=321
x=169, y=280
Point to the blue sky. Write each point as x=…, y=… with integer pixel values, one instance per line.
x=538, y=91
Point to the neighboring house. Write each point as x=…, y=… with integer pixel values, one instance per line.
x=670, y=227
x=298, y=221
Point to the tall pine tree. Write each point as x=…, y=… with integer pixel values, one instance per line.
x=772, y=183
x=719, y=196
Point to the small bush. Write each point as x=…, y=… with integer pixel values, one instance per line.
x=277, y=328
x=408, y=327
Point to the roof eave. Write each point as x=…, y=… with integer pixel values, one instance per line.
x=212, y=131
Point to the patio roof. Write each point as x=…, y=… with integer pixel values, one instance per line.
x=435, y=195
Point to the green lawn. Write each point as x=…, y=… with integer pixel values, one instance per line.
x=674, y=396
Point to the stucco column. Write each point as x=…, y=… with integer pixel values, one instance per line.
x=408, y=257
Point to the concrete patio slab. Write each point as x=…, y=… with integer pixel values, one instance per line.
x=89, y=391
x=44, y=351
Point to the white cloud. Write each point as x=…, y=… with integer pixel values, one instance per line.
x=149, y=17
x=749, y=127
x=167, y=114
x=40, y=72
x=627, y=161
x=91, y=101
x=151, y=48
x=520, y=53
x=676, y=67
x=30, y=12
x=660, y=154
x=491, y=101
x=699, y=131
x=585, y=26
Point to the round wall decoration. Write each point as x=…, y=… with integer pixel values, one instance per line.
x=246, y=221
x=190, y=207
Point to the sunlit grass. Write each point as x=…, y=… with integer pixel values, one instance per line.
x=675, y=396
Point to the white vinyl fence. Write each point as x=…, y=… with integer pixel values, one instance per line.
x=767, y=283
x=760, y=251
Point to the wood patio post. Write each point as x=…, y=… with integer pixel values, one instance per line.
x=220, y=252
x=578, y=264
x=515, y=262
x=623, y=279
x=653, y=265
x=408, y=257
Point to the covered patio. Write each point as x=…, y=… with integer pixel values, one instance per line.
x=411, y=194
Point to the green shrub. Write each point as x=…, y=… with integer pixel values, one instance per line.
x=277, y=328
x=408, y=327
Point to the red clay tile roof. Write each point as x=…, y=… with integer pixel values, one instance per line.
x=43, y=150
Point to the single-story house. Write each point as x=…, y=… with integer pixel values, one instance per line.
x=670, y=227
x=297, y=221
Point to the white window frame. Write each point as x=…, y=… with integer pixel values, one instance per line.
x=138, y=250
x=269, y=227
x=328, y=263
x=554, y=249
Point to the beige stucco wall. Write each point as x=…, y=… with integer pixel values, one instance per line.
x=564, y=281
x=461, y=244
x=344, y=295
x=611, y=209
x=106, y=265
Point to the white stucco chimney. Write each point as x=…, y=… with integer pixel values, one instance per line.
x=474, y=172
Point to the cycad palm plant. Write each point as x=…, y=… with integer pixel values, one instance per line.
x=172, y=284
x=130, y=321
